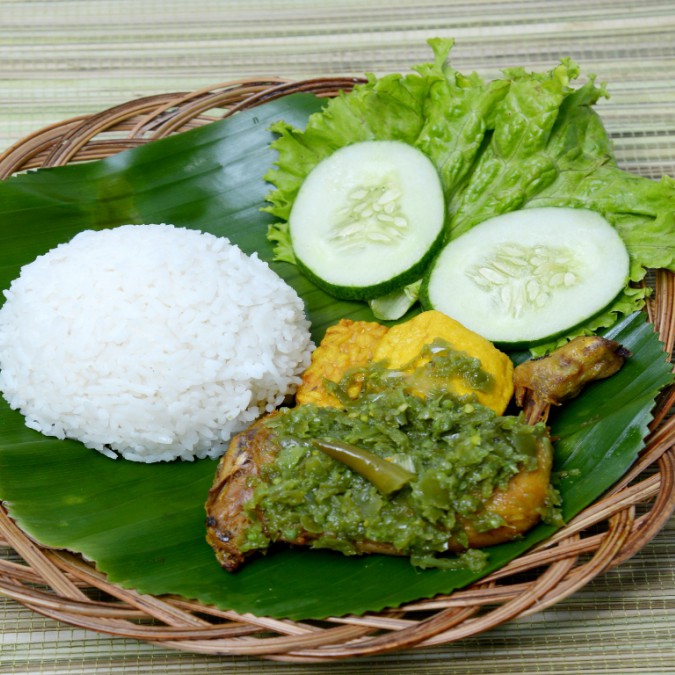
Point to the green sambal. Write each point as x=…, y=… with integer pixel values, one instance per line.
x=450, y=454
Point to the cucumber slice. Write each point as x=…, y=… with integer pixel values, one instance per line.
x=530, y=275
x=394, y=305
x=368, y=219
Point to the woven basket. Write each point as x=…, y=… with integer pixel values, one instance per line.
x=62, y=586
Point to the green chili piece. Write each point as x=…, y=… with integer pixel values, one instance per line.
x=386, y=476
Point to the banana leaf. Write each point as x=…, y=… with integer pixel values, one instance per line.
x=143, y=525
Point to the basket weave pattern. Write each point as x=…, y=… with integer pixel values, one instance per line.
x=62, y=586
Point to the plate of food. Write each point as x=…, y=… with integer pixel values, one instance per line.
x=356, y=365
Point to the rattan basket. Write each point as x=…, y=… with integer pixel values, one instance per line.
x=64, y=587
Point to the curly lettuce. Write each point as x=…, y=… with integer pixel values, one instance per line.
x=528, y=139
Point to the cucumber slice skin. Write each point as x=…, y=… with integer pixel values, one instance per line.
x=383, y=288
x=526, y=344
x=602, y=283
x=368, y=219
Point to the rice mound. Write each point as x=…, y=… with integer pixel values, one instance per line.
x=149, y=341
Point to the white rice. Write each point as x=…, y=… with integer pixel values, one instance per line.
x=149, y=341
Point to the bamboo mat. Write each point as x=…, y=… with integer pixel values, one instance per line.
x=62, y=58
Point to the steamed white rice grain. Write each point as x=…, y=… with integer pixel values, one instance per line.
x=149, y=341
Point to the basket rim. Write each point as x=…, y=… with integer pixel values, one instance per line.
x=58, y=584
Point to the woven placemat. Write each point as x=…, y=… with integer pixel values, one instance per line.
x=621, y=622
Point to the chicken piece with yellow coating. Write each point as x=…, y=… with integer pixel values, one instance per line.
x=346, y=346
x=377, y=371
x=520, y=504
x=561, y=375
x=403, y=347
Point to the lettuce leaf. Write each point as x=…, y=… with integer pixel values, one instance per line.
x=526, y=140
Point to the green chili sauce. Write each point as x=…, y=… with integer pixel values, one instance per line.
x=458, y=451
